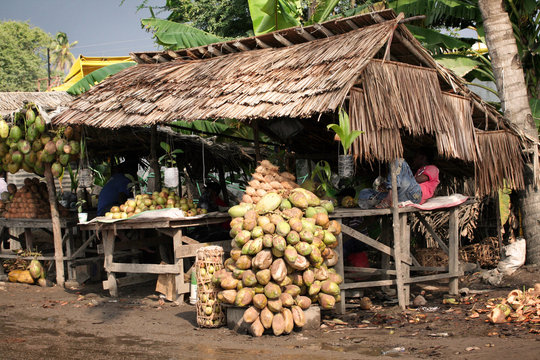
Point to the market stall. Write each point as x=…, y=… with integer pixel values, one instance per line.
x=369, y=64
x=30, y=143
x=183, y=247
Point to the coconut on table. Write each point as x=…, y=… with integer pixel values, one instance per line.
x=282, y=257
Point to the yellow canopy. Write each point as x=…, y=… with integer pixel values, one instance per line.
x=84, y=65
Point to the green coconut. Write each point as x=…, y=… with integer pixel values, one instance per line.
x=30, y=117
x=15, y=133
x=4, y=129
x=56, y=169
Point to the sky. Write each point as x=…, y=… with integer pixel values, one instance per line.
x=102, y=27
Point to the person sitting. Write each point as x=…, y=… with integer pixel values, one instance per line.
x=3, y=183
x=417, y=188
x=115, y=191
x=210, y=198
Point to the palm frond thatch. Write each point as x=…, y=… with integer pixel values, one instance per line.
x=295, y=81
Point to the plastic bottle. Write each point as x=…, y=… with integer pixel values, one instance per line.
x=193, y=289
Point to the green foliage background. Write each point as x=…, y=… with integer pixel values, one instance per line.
x=23, y=60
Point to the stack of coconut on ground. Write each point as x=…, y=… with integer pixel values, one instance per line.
x=282, y=258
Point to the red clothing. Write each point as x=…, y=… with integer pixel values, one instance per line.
x=428, y=187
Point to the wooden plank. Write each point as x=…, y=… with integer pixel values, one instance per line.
x=397, y=237
x=367, y=240
x=453, y=249
x=365, y=284
x=432, y=232
x=46, y=258
x=429, y=268
x=418, y=279
x=369, y=271
x=340, y=270
x=57, y=229
x=185, y=251
x=143, y=268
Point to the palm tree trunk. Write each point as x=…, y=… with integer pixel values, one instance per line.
x=515, y=104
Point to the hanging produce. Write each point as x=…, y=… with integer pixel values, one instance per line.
x=27, y=142
x=282, y=258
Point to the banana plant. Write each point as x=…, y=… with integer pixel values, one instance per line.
x=95, y=77
x=343, y=131
x=174, y=36
x=272, y=15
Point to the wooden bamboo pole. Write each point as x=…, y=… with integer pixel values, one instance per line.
x=223, y=184
x=397, y=237
x=56, y=227
x=255, y=125
x=154, y=164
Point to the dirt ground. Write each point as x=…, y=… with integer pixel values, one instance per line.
x=57, y=323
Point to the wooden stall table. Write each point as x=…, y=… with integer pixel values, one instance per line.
x=183, y=247
x=68, y=227
x=399, y=250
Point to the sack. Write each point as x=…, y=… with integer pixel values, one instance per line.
x=171, y=177
x=514, y=257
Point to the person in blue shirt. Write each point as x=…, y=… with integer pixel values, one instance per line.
x=115, y=191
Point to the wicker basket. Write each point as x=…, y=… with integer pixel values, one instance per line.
x=209, y=311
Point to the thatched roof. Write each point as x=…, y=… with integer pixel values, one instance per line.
x=13, y=101
x=305, y=72
x=276, y=39
x=296, y=81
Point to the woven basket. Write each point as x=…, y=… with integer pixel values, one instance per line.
x=209, y=311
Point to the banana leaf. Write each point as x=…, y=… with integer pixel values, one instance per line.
x=272, y=15
x=435, y=41
x=322, y=11
x=461, y=65
x=95, y=77
x=535, y=111
x=174, y=36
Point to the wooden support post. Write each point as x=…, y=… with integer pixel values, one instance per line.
x=406, y=251
x=499, y=225
x=70, y=244
x=108, y=250
x=255, y=125
x=57, y=230
x=453, y=249
x=179, y=262
x=397, y=236
x=154, y=164
x=340, y=269
x=223, y=184
x=29, y=239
